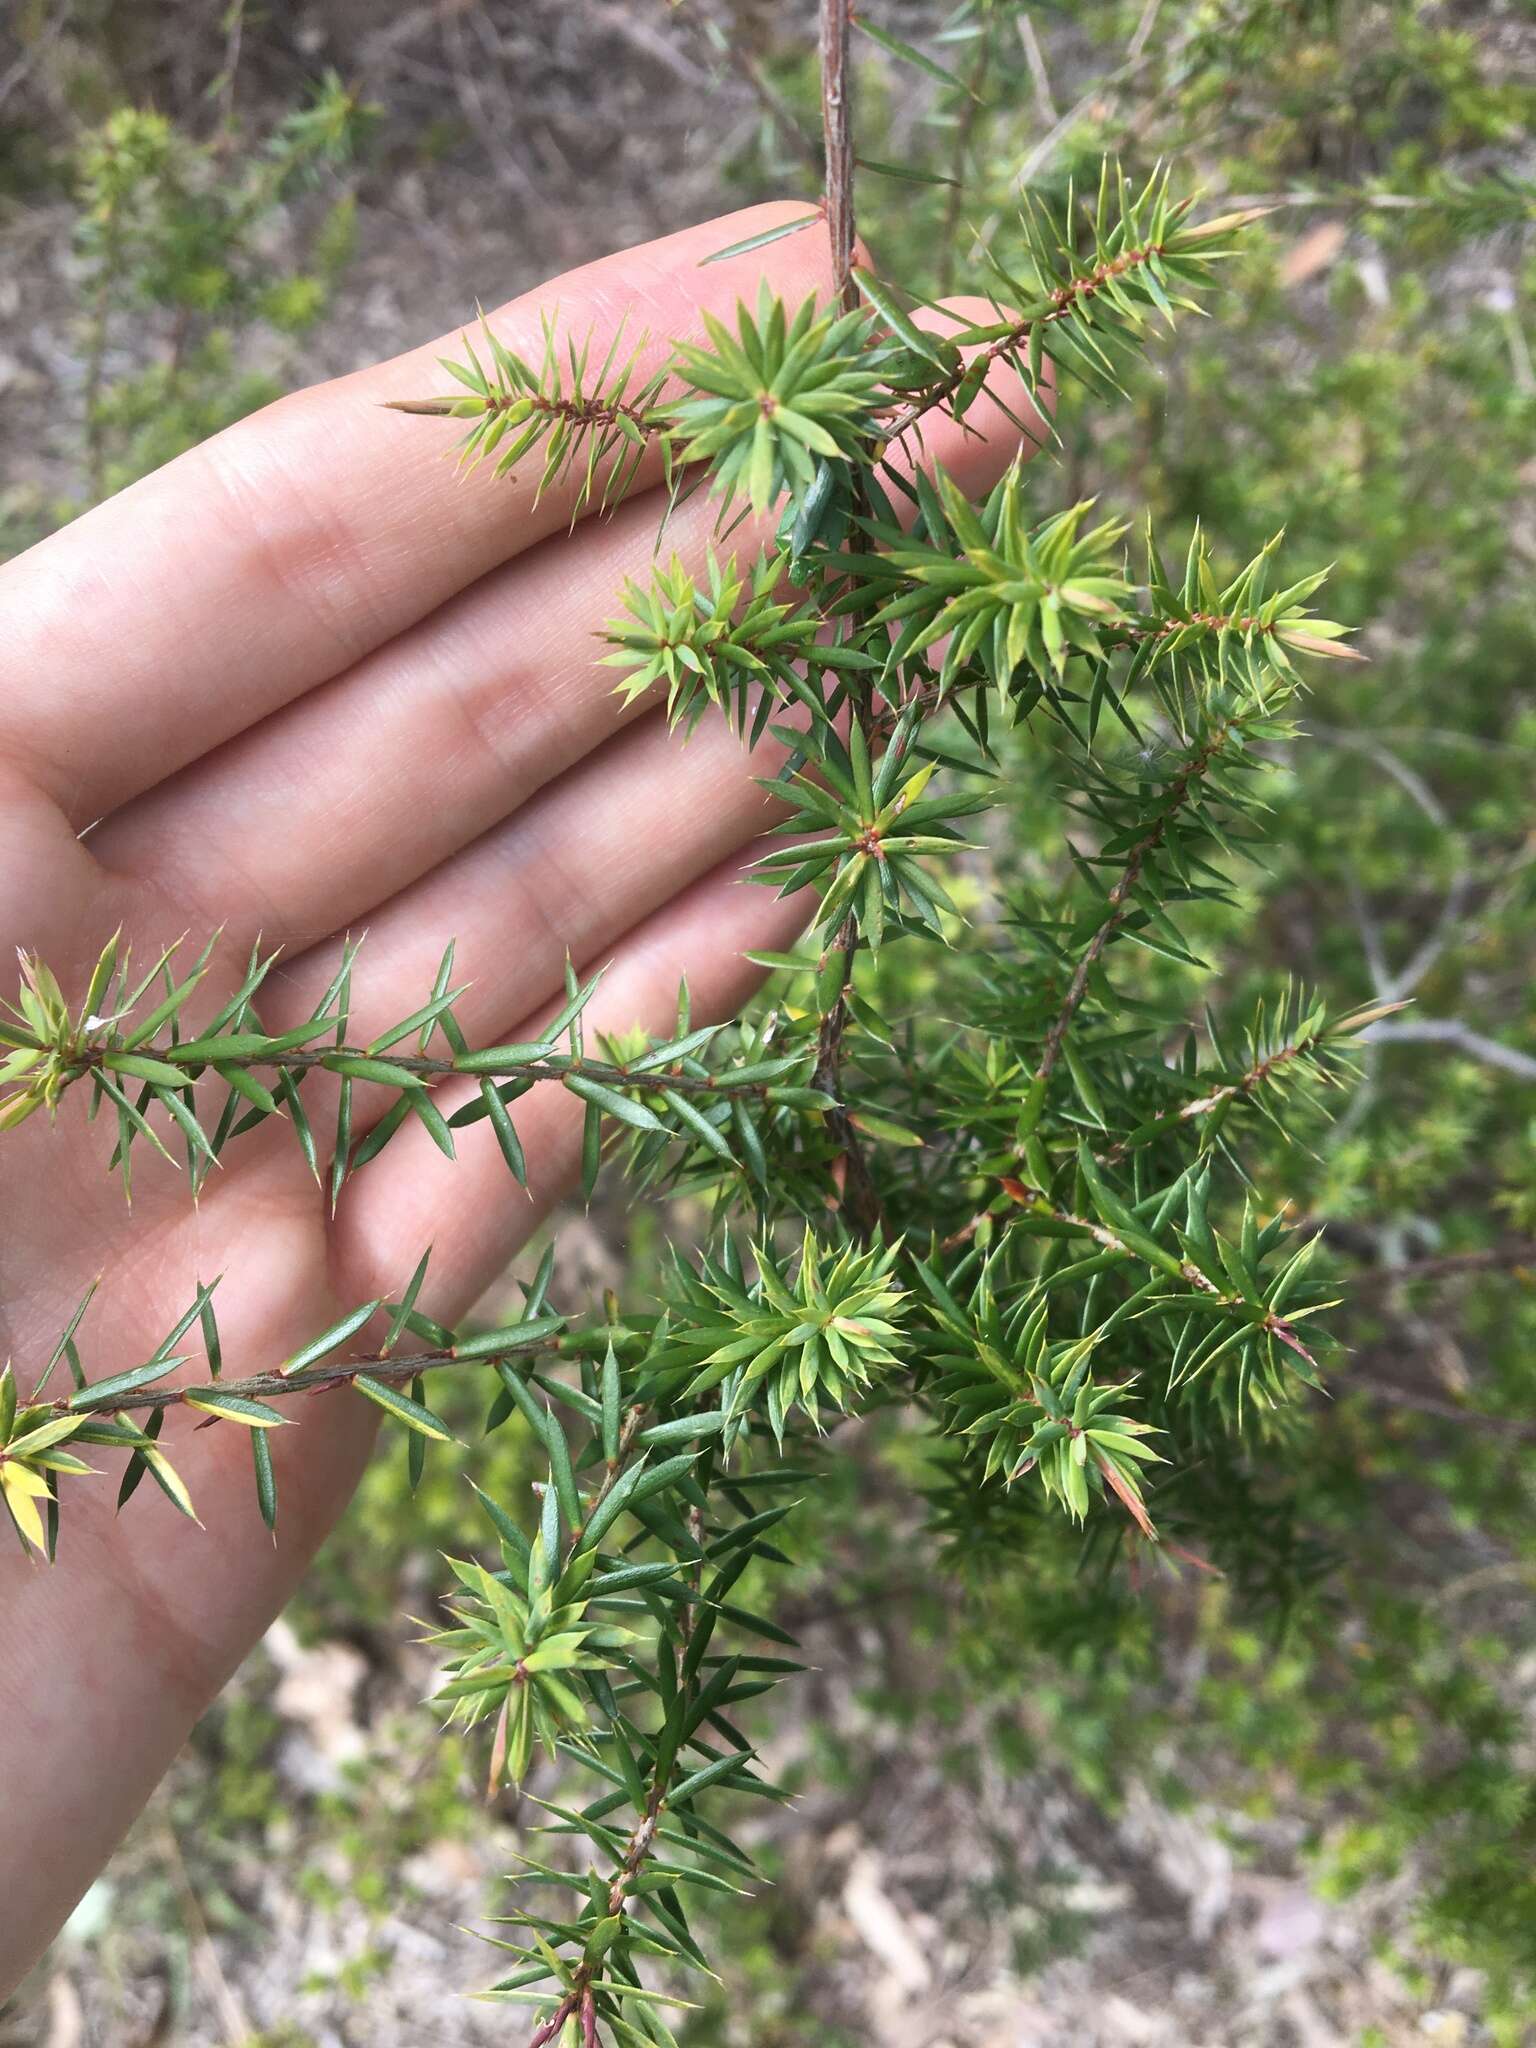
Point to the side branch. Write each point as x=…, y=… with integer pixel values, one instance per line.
x=1064, y=301
x=1261, y=1316
x=575, y=412
x=268, y=1386
x=1119, y=908
x=387, y=1068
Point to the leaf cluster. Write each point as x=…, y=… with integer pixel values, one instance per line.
x=1000, y=1202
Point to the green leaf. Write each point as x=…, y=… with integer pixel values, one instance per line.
x=266, y=1483
x=169, y=1481
x=358, y=1067
x=615, y=1105
x=235, y=1408
x=907, y=172
x=332, y=1339
x=711, y=1774
x=905, y=51
x=400, y=1313
x=510, y=1337
x=695, y=1121
x=412, y=1413
x=123, y=1382
x=921, y=343
x=40, y=1438
x=505, y=1059
x=158, y=1073
x=764, y=240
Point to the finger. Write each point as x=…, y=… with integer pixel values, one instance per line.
x=308, y=822
x=270, y=558
x=50, y=899
x=352, y=794
x=471, y=1210
x=592, y=857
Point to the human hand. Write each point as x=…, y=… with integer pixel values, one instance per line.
x=307, y=680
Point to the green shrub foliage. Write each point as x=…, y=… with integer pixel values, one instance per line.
x=1036, y=1199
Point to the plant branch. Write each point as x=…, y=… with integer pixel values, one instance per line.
x=335, y=1059
x=1444, y=1411
x=578, y=2002
x=837, y=136
x=1277, y=1326
x=575, y=412
x=1119, y=903
x=1229, y=1091
x=1501, y=1258
x=1187, y=1113
x=268, y=1386
x=1064, y=301
x=857, y=1193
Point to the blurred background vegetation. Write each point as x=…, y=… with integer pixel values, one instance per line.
x=1291, y=1804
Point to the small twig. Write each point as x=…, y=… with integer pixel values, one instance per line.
x=578, y=2002
x=1246, y=1083
x=1040, y=1204
x=491, y=126
x=1389, y=986
x=1047, y=146
x=95, y=371
x=1444, y=1411
x=318, y=1379
x=1452, y=1031
x=1119, y=902
x=857, y=1193
x=1450, y=1265
x=1510, y=1571
x=1064, y=301
x=224, y=85
x=233, y=2023
x=613, y=1469
x=36, y=47
x=732, y=43
x=591, y=412
x=1228, y=1091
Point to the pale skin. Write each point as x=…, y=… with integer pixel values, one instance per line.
x=304, y=681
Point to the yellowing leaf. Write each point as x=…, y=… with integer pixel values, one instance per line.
x=22, y=1490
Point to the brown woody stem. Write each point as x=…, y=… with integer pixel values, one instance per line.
x=837, y=134
x=269, y=1386
x=857, y=1197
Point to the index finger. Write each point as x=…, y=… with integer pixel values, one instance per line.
x=268, y=559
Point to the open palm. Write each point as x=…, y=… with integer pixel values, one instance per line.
x=305, y=681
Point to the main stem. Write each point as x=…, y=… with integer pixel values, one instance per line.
x=837, y=133
x=857, y=1198
x=334, y=1058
